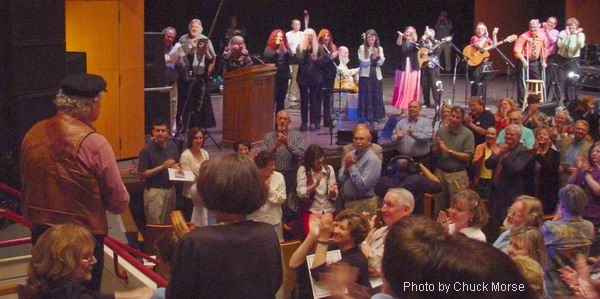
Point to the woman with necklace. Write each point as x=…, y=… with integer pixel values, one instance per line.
x=236, y=258
x=192, y=159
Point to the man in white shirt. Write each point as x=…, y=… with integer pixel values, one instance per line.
x=294, y=37
x=398, y=203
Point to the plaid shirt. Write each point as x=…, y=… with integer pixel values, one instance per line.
x=286, y=157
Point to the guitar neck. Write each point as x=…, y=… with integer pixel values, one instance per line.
x=494, y=46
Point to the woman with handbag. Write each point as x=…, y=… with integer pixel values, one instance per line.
x=317, y=188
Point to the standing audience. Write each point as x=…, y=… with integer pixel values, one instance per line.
x=192, y=159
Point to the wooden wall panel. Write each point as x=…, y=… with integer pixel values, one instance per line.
x=93, y=27
x=111, y=33
x=586, y=12
x=131, y=117
x=510, y=16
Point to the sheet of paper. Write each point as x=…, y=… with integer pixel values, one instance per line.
x=181, y=175
x=319, y=291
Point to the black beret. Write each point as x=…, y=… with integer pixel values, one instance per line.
x=82, y=84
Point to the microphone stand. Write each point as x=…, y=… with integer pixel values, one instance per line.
x=509, y=65
x=338, y=75
x=466, y=60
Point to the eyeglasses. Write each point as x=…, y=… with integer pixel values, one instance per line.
x=90, y=259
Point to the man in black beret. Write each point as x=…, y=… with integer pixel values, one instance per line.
x=69, y=172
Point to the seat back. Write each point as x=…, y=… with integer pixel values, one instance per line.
x=289, y=275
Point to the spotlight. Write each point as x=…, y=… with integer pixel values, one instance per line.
x=573, y=76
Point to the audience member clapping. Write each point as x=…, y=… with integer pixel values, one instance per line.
x=467, y=215
x=566, y=236
x=543, y=181
x=526, y=211
x=505, y=107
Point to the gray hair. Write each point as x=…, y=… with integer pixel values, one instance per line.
x=167, y=29
x=76, y=106
x=515, y=128
x=573, y=199
x=534, y=22
x=405, y=197
x=195, y=21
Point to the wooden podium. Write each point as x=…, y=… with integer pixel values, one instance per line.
x=248, y=103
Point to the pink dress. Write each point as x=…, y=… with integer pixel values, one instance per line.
x=407, y=86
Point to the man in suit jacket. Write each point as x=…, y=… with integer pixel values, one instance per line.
x=509, y=161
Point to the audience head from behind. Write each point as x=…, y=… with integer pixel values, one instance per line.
x=528, y=241
x=231, y=184
x=80, y=96
x=242, y=147
x=63, y=255
x=407, y=248
x=525, y=211
x=418, y=253
x=350, y=229
x=572, y=200
x=532, y=272
x=398, y=203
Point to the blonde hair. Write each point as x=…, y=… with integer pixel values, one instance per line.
x=510, y=102
x=475, y=205
x=532, y=272
x=56, y=256
x=314, y=44
x=532, y=240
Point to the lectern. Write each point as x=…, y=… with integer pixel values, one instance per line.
x=248, y=103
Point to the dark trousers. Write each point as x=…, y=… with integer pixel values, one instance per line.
x=475, y=80
x=310, y=98
x=428, y=78
x=281, y=88
x=326, y=94
x=566, y=65
x=535, y=72
x=94, y=284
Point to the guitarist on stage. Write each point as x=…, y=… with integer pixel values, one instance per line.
x=531, y=51
x=430, y=70
x=480, y=40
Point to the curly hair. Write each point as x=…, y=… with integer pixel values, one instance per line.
x=76, y=106
x=357, y=225
x=56, y=256
x=271, y=41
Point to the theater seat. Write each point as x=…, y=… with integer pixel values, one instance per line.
x=289, y=275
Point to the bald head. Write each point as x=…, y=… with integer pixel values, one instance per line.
x=362, y=138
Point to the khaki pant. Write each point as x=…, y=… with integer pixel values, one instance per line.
x=452, y=183
x=158, y=204
x=363, y=205
x=293, y=90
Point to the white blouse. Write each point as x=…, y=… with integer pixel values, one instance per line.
x=321, y=203
x=271, y=212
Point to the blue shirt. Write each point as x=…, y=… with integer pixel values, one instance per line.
x=503, y=241
x=527, y=137
x=417, y=145
x=362, y=176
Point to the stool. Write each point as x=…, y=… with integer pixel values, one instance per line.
x=537, y=87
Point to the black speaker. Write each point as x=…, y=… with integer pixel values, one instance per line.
x=156, y=106
x=345, y=133
x=154, y=59
x=548, y=108
x=75, y=62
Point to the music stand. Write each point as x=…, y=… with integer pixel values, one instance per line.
x=466, y=60
x=487, y=73
x=509, y=64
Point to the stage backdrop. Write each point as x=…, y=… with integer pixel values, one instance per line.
x=346, y=19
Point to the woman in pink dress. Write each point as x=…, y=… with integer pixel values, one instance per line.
x=408, y=76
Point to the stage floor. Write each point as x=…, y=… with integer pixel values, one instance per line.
x=498, y=88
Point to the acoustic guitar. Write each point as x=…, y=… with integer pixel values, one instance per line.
x=476, y=56
x=423, y=53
